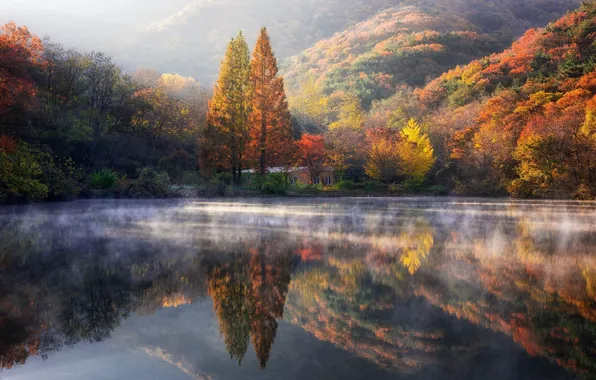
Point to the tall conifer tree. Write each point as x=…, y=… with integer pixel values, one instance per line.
x=229, y=108
x=270, y=127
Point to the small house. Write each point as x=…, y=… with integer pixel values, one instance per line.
x=301, y=175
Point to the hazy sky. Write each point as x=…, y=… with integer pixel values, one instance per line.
x=116, y=10
x=91, y=24
x=88, y=23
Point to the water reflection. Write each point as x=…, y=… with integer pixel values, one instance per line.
x=249, y=292
x=428, y=288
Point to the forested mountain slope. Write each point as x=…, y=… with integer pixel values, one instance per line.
x=415, y=41
x=523, y=120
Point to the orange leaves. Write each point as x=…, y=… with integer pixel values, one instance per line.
x=587, y=82
x=535, y=102
x=269, y=120
x=311, y=147
x=311, y=153
x=570, y=20
x=20, y=38
x=20, y=52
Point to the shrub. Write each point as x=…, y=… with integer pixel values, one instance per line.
x=274, y=184
x=20, y=175
x=104, y=179
x=150, y=183
x=412, y=185
x=61, y=176
x=346, y=185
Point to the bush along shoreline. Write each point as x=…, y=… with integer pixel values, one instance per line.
x=156, y=184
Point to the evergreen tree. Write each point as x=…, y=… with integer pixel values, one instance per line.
x=229, y=109
x=270, y=126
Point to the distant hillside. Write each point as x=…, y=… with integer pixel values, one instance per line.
x=415, y=42
x=192, y=41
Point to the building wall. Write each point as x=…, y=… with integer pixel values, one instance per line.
x=302, y=176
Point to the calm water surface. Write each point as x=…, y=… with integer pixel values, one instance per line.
x=298, y=289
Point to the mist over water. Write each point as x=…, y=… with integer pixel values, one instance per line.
x=353, y=288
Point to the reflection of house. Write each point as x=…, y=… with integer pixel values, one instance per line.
x=301, y=175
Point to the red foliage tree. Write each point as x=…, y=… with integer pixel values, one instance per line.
x=20, y=52
x=311, y=153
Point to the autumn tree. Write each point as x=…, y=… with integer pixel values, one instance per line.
x=346, y=149
x=146, y=77
x=229, y=108
x=382, y=161
x=415, y=152
x=177, y=85
x=160, y=115
x=311, y=153
x=20, y=53
x=270, y=127
x=269, y=282
x=407, y=154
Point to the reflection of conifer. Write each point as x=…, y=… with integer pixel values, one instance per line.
x=247, y=299
x=269, y=283
x=228, y=286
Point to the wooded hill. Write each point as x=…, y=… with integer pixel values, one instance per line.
x=414, y=42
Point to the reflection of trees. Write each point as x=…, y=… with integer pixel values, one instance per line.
x=229, y=288
x=410, y=246
x=249, y=293
x=417, y=242
x=534, y=286
x=347, y=305
x=79, y=292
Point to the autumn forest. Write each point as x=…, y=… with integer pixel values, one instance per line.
x=471, y=98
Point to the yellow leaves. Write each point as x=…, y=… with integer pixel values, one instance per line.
x=536, y=101
x=415, y=151
x=589, y=275
x=177, y=85
x=351, y=114
x=588, y=128
x=410, y=155
x=309, y=104
x=470, y=75
x=413, y=256
x=382, y=162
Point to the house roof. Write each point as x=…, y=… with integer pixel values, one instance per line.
x=282, y=169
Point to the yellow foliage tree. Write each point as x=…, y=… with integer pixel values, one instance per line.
x=383, y=161
x=410, y=154
x=415, y=152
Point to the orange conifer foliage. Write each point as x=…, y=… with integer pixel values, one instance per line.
x=270, y=128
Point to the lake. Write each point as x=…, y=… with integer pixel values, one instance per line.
x=349, y=288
